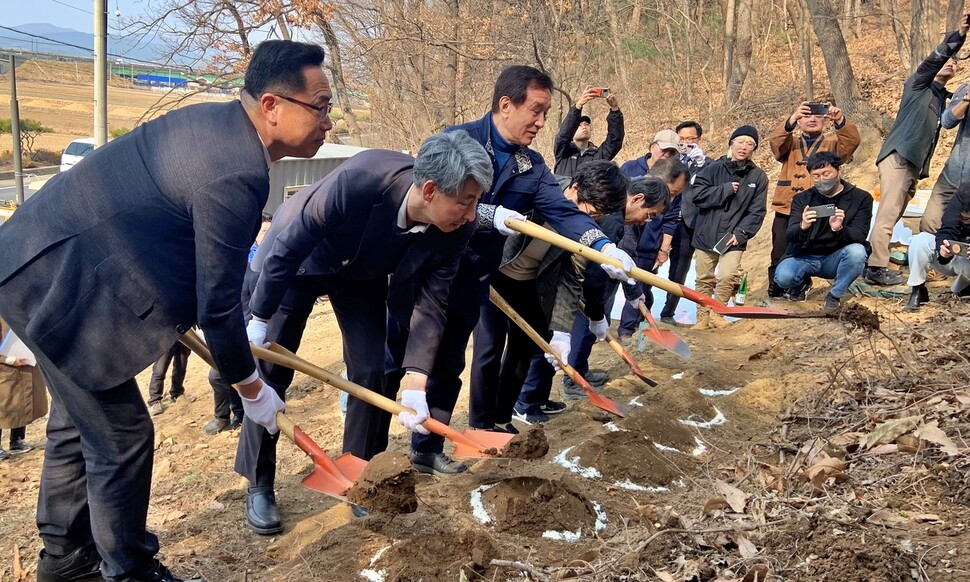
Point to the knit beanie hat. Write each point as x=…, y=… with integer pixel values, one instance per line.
x=748, y=130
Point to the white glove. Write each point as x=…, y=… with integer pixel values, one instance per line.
x=498, y=220
x=256, y=331
x=560, y=343
x=599, y=328
x=417, y=401
x=614, y=252
x=262, y=409
x=696, y=155
x=635, y=303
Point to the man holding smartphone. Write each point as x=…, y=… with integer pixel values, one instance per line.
x=946, y=252
x=573, y=148
x=905, y=155
x=826, y=232
x=792, y=148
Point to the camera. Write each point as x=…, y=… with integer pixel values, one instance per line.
x=818, y=108
x=603, y=92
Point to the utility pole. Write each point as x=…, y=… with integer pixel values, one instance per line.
x=18, y=162
x=100, y=72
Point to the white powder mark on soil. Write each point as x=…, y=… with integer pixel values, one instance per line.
x=478, y=508
x=573, y=465
x=717, y=420
x=716, y=393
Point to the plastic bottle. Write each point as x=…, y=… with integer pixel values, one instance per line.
x=742, y=293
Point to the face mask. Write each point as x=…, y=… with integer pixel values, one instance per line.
x=826, y=187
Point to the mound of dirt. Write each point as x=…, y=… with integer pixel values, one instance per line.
x=856, y=557
x=386, y=485
x=439, y=557
x=531, y=444
x=630, y=457
x=660, y=428
x=530, y=506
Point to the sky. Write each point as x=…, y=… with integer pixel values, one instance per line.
x=75, y=14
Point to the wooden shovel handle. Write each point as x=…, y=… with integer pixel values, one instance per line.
x=544, y=234
x=534, y=335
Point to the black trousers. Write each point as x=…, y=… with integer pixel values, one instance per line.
x=97, y=473
x=178, y=356
x=15, y=434
x=469, y=291
x=681, y=254
x=779, y=242
x=360, y=308
x=227, y=401
x=499, y=367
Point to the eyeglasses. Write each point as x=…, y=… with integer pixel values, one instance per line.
x=322, y=111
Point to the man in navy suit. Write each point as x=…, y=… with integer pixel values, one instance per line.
x=380, y=213
x=522, y=183
x=110, y=263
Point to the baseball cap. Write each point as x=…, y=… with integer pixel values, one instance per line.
x=667, y=140
x=585, y=118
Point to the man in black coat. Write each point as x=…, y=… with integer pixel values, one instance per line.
x=572, y=147
x=379, y=213
x=110, y=263
x=832, y=246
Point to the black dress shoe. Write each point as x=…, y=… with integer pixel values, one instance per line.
x=81, y=565
x=436, y=464
x=157, y=572
x=261, y=513
x=919, y=296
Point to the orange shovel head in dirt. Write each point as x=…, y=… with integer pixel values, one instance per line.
x=330, y=476
x=663, y=338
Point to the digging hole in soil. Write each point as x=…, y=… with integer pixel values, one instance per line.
x=659, y=427
x=386, y=485
x=531, y=506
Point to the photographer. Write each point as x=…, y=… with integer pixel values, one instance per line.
x=905, y=155
x=826, y=232
x=810, y=120
x=572, y=147
x=946, y=252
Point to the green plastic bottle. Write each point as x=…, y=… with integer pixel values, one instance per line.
x=742, y=294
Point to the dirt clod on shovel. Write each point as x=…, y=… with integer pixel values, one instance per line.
x=859, y=315
x=386, y=485
x=530, y=444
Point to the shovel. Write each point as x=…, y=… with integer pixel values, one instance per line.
x=594, y=397
x=668, y=340
x=544, y=234
x=468, y=443
x=624, y=355
x=330, y=476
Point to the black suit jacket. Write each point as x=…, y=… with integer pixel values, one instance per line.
x=339, y=227
x=112, y=261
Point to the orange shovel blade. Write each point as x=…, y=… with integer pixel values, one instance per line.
x=471, y=442
x=323, y=479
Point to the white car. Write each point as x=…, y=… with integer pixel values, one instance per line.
x=75, y=152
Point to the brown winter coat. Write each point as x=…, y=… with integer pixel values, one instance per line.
x=791, y=152
x=23, y=393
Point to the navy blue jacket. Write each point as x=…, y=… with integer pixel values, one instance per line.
x=525, y=184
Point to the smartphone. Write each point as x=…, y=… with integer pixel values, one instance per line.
x=823, y=211
x=603, y=92
x=722, y=247
x=818, y=108
x=959, y=249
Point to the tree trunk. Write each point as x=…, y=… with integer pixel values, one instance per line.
x=729, y=41
x=924, y=35
x=954, y=13
x=844, y=87
x=339, y=85
x=806, y=45
x=450, y=110
x=635, y=18
x=742, y=55
x=899, y=32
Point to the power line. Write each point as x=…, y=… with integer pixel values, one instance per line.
x=90, y=50
x=72, y=6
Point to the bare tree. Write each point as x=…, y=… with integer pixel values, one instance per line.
x=925, y=32
x=737, y=68
x=954, y=13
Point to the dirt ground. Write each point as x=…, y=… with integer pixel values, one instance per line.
x=746, y=459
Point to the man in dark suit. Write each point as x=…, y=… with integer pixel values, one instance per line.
x=379, y=213
x=110, y=263
x=522, y=183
